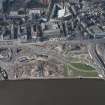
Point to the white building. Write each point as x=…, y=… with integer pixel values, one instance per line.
x=34, y=11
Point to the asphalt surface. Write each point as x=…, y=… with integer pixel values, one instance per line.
x=7, y=43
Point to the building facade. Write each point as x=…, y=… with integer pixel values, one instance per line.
x=45, y=2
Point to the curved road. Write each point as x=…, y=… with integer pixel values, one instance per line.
x=97, y=59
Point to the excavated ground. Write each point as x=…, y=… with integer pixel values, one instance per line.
x=41, y=61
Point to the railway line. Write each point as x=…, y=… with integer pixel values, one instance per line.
x=99, y=63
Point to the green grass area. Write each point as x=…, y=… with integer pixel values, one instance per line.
x=83, y=67
x=66, y=70
x=72, y=59
x=80, y=72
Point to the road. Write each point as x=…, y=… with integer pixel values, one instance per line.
x=64, y=40
x=97, y=59
x=7, y=43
